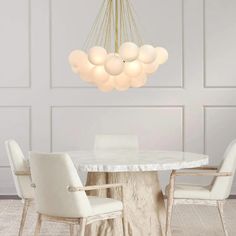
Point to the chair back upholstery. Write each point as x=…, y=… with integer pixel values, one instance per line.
x=19, y=163
x=52, y=174
x=221, y=187
x=106, y=142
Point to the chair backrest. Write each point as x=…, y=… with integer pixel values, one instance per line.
x=19, y=163
x=106, y=142
x=52, y=174
x=221, y=187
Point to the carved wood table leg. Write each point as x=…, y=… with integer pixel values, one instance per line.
x=145, y=208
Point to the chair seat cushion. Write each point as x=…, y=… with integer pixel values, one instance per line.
x=104, y=205
x=190, y=191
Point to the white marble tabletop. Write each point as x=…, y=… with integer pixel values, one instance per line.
x=127, y=161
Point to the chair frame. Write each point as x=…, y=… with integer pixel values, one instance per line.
x=27, y=203
x=82, y=222
x=171, y=201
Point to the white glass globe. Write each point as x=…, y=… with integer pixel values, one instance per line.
x=97, y=55
x=122, y=87
x=107, y=86
x=133, y=68
x=138, y=81
x=151, y=67
x=77, y=58
x=147, y=54
x=75, y=69
x=129, y=51
x=99, y=75
x=122, y=82
x=162, y=55
x=114, y=65
x=86, y=77
x=86, y=66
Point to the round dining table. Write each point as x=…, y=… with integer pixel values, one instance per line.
x=143, y=196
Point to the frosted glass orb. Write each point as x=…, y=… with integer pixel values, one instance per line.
x=139, y=81
x=107, y=86
x=133, y=68
x=75, y=69
x=122, y=87
x=97, y=55
x=162, y=55
x=147, y=54
x=150, y=68
x=86, y=66
x=114, y=65
x=122, y=81
x=77, y=58
x=99, y=75
x=129, y=51
x=86, y=77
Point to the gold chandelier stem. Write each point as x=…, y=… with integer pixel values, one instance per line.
x=117, y=27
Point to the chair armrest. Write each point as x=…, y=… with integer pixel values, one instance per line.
x=94, y=187
x=202, y=174
x=22, y=173
x=204, y=168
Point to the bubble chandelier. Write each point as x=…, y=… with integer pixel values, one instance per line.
x=119, y=60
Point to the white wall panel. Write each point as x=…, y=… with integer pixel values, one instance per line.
x=15, y=43
x=74, y=128
x=220, y=38
x=6, y=183
x=189, y=104
x=15, y=123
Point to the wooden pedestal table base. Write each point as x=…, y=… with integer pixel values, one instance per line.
x=144, y=203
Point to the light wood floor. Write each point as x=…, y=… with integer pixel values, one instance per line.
x=187, y=221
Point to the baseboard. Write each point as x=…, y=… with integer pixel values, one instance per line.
x=232, y=197
x=15, y=197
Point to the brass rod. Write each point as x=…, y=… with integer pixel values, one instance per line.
x=117, y=26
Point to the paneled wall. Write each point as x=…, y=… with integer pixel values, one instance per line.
x=189, y=104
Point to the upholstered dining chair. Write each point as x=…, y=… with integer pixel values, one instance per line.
x=120, y=141
x=60, y=195
x=214, y=195
x=21, y=175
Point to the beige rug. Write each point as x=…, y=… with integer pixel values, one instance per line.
x=187, y=221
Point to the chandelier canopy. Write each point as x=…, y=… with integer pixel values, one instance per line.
x=116, y=58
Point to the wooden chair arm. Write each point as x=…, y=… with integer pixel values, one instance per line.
x=94, y=187
x=22, y=173
x=204, y=168
x=202, y=174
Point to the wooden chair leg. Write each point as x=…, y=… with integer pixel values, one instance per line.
x=82, y=227
x=72, y=233
x=124, y=223
x=73, y=230
x=23, y=216
x=38, y=225
x=220, y=205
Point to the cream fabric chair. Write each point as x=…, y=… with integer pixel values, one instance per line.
x=21, y=175
x=106, y=142
x=60, y=195
x=215, y=194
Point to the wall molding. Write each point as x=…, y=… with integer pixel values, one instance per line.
x=29, y=126
x=182, y=107
x=204, y=56
x=29, y=55
x=205, y=107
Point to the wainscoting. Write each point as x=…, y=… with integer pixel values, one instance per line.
x=189, y=104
